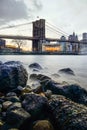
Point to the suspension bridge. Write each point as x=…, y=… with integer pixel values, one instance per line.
x=39, y=29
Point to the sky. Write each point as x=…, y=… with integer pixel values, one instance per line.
x=68, y=15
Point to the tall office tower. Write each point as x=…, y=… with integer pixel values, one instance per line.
x=84, y=37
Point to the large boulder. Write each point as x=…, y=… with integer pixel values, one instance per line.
x=17, y=117
x=35, y=105
x=12, y=74
x=67, y=115
x=43, y=125
x=67, y=71
x=35, y=66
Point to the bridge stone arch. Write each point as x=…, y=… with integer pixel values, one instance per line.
x=38, y=32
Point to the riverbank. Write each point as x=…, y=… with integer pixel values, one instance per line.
x=39, y=53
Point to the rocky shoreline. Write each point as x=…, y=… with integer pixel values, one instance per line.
x=49, y=106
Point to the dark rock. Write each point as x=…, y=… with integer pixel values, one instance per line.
x=35, y=65
x=12, y=74
x=67, y=71
x=13, y=99
x=1, y=63
x=11, y=94
x=14, y=106
x=3, y=116
x=38, y=90
x=48, y=94
x=67, y=115
x=17, y=117
x=2, y=100
x=5, y=126
x=43, y=125
x=42, y=77
x=33, y=76
x=55, y=75
x=74, y=91
x=6, y=105
x=35, y=70
x=35, y=105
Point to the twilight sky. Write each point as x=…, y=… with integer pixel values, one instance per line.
x=69, y=15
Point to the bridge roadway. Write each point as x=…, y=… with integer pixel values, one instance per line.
x=35, y=38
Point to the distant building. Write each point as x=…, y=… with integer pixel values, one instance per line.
x=72, y=46
x=2, y=43
x=73, y=37
x=63, y=44
x=84, y=37
x=83, y=46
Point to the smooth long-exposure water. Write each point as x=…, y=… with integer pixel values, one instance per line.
x=52, y=63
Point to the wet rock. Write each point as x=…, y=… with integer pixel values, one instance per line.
x=6, y=105
x=67, y=71
x=55, y=75
x=67, y=115
x=17, y=117
x=1, y=63
x=12, y=74
x=42, y=77
x=33, y=76
x=43, y=125
x=48, y=94
x=1, y=124
x=11, y=94
x=14, y=106
x=35, y=105
x=3, y=116
x=6, y=126
x=13, y=99
x=35, y=70
x=35, y=66
x=73, y=91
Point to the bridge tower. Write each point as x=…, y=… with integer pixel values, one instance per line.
x=38, y=32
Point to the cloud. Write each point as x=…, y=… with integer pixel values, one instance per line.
x=11, y=10
x=37, y=4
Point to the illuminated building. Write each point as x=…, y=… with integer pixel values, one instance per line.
x=51, y=48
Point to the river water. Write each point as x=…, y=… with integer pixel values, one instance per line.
x=52, y=63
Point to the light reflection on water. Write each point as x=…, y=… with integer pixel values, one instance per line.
x=52, y=63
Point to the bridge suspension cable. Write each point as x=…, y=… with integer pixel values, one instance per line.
x=52, y=30
x=58, y=29
x=13, y=26
x=57, y=32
